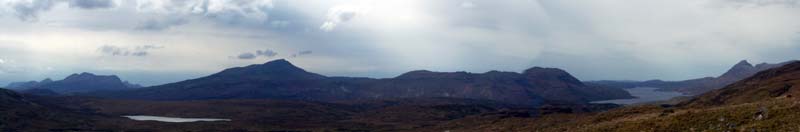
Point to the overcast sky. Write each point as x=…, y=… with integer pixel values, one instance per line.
x=161, y=41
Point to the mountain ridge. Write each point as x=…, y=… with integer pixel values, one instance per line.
x=279, y=79
x=76, y=83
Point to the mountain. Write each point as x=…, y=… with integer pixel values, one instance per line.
x=280, y=79
x=75, y=83
x=765, y=101
x=739, y=71
x=773, y=83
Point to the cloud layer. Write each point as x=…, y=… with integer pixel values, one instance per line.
x=673, y=40
x=29, y=10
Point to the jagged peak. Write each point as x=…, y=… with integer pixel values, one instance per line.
x=740, y=70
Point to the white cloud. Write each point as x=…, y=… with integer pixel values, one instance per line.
x=280, y=24
x=467, y=4
x=340, y=14
x=228, y=11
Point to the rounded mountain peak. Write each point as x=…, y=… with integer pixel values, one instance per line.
x=543, y=70
x=541, y=73
x=276, y=69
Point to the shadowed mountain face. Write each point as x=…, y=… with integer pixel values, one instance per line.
x=20, y=113
x=740, y=71
x=281, y=80
x=75, y=83
x=10, y=98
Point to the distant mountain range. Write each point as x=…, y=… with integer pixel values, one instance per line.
x=765, y=101
x=280, y=79
x=75, y=83
x=740, y=71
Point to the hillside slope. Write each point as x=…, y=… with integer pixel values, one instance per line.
x=763, y=102
x=779, y=82
x=19, y=113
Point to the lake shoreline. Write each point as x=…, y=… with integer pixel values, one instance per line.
x=172, y=119
x=643, y=95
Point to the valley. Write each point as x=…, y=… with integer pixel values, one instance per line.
x=399, y=65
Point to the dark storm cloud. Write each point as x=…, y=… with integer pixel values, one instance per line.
x=302, y=53
x=246, y=56
x=250, y=55
x=91, y=4
x=138, y=51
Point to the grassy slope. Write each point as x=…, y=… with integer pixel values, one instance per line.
x=780, y=114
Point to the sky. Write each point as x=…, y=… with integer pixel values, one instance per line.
x=154, y=42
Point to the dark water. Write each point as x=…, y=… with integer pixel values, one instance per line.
x=643, y=95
